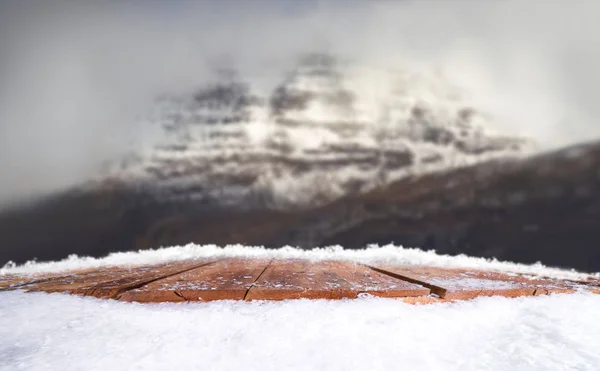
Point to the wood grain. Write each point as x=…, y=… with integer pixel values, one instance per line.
x=262, y=279
x=464, y=284
x=111, y=281
x=14, y=281
x=228, y=279
x=295, y=279
x=27, y=281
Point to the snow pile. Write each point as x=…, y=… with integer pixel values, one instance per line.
x=373, y=254
x=61, y=332
x=41, y=331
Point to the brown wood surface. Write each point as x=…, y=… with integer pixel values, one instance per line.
x=78, y=280
x=115, y=287
x=227, y=279
x=24, y=281
x=110, y=281
x=295, y=279
x=594, y=286
x=467, y=284
x=260, y=279
x=12, y=281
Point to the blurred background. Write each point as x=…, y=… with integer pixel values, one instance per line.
x=461, y=126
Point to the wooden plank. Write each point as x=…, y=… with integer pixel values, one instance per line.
x=301, y=279
x=594, y=286
x=365, y=280
x=111, y=281
x=76, y=280
x=227, y=279
x=463, y=284
x=13, y=281
x=116, y=287
x=19, y=281
x=254, y=279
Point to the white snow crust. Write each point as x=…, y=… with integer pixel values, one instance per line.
x=41, y=331
x=60, y=332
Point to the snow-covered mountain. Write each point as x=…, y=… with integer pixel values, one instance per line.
x=328, y=128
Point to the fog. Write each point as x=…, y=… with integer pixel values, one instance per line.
x=75, y=75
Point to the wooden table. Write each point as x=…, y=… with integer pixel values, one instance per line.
x=282, y=279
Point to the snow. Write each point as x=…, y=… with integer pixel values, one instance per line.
x=474, y=283
x=40, y=331
x=382, y=112
x=61, y=332
x=389, y=254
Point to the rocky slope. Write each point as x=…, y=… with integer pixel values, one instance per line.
x=326, y=129
x=544, y=208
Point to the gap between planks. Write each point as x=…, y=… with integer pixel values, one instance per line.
x=107, y=287
x=141, y=284
x=298, y=278
x=446, y=283
x=115, y=290
x=256, y=280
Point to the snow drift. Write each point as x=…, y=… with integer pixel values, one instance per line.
x=56, y=331
x=50, y=332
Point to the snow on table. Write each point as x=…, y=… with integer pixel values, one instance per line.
x=228, y=279
x=109, y=281
x=460, y=284
x=296, y=279
x=280, y=279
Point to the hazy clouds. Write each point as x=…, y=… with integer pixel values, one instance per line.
x=74, y=75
